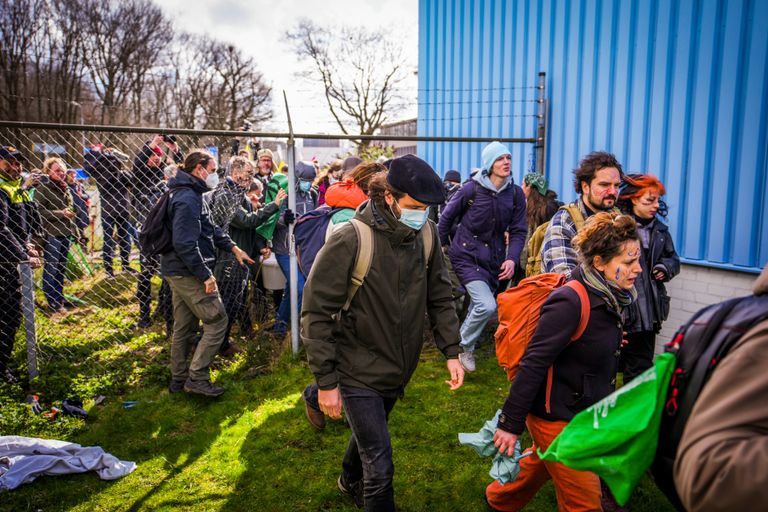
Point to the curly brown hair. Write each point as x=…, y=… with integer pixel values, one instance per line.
x=378, y=185
x=604, y=235
x=592, y=163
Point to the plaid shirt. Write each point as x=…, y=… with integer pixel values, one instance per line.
x=557, y=255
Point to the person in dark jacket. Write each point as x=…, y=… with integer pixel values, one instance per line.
x=189, y=271
x=57, y=211
x=558, y=377
x=479, y=253
x=365, y=356
x=105, y=167
x=80, y=199
x=15, y=248
x=640, y=197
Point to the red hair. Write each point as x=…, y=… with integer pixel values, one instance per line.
x=636, y=185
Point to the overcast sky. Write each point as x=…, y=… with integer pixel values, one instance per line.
x=257, y=27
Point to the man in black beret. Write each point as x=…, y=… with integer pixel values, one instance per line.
x=363, y=340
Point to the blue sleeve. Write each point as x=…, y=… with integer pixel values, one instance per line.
x=185, y=215
x=451, y=212
x=517, y=228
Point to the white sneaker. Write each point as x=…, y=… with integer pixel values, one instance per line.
x=467, y=360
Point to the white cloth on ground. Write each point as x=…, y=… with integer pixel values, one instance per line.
x=22, y=459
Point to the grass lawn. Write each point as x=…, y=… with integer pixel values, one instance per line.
x=252, y=449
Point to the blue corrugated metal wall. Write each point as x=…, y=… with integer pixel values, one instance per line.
x=678, y=89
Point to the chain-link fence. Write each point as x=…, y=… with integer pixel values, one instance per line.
x=73, y=273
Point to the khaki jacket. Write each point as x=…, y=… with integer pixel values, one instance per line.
x=376, y=344
x=722, y=461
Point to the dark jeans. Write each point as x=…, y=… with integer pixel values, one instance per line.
x=284, y=311
x=232, y=281
x=150, y=266
x=369, y=453
x=10, y=302
x=108, y=225
x=55, y=257
x=637, y=355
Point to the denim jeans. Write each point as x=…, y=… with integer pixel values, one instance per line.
x=482, y=307
x=284, y=311
x=108, y=225
x=369, y=453
x=55, y=257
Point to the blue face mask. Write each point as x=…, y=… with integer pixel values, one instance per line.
x=304, y=186
x=414, y=219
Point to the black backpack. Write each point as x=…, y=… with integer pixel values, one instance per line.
x=156, y=237
x=699, y=346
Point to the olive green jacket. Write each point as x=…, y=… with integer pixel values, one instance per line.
x=376, y=343
x=51, y=200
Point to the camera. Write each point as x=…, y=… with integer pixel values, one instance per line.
x=169, y=138
x=42, y=179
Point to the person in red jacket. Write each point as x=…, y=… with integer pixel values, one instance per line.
x=559, y=378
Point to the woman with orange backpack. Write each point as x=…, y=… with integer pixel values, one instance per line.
x=559, y=376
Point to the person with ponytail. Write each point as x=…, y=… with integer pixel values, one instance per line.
x=582, y=371
x=188, y=269
x=640, y=196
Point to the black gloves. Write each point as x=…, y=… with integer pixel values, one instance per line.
x=289, y=217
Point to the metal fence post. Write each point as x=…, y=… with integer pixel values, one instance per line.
x=28, y=309
x=293, y=276
x=541, y=131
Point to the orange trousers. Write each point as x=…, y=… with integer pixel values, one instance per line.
x=576, y=490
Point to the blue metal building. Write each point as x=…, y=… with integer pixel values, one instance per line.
x=674, y=88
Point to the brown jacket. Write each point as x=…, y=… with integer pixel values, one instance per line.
x=722, y=460
x=52, y=201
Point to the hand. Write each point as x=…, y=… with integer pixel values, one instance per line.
x=624, y=340
x=659, y=274
x=32, y=251
x=456, y=372
x=289, y=217
x=507, y=269
x=505, y=442
x=68, y=213
x=34, y=262
x=266, y=253
x=280, y=197
x=210, y=285
x=330, y=402
x=32, y=181
x=241, y=256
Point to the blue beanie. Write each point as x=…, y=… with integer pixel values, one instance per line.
x=491, y=153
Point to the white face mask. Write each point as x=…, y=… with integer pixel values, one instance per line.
x=212, y=180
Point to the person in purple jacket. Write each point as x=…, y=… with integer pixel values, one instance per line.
x=485, y=208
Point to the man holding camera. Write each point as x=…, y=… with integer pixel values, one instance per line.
x=15, y=248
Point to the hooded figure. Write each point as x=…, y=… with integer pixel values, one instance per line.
x=485, y=208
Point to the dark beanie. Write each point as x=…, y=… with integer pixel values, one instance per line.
x=415, y=177
x=452, y=176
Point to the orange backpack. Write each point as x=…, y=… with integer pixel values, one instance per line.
x=519, y=311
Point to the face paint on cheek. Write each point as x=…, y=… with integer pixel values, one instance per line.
x=618, y=272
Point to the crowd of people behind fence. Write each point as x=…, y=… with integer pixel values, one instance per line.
x=372, y=268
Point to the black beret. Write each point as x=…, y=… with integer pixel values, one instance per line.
x=415, y=177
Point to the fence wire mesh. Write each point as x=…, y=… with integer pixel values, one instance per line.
x=97, y=312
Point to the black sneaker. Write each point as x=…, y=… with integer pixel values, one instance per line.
x=354, y=490
x=176, y=386
x=203, y=388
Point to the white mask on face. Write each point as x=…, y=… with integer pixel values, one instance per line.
x=212, y=180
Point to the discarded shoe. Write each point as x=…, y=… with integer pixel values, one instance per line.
x=203, y=388
x=74, y=407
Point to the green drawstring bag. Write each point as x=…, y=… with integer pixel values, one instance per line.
x=616, y=438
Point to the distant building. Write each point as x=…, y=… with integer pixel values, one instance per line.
x=405, y=128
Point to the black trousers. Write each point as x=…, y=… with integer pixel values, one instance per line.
x=10, y=305
x=637, y=355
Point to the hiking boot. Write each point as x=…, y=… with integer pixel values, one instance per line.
x=203, y=388
x=176, y=386
x=230, y=351
x=467, y=360
x=355, y=490
x=315, y=417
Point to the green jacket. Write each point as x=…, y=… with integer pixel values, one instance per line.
x=51, y=200
x=376, y=344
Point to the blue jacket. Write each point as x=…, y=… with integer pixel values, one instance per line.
x=477, y=249
x=195, y=237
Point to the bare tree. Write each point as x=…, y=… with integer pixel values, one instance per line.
x=20, y=22
x=359, y=70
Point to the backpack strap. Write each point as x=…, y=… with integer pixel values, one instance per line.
x=363, y=259
x=470, y=201
x=581, y=291
x=426, y=233
x=575, y=212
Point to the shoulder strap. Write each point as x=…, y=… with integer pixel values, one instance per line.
x=581, y=291
x=427, y=237
x=363, y=259
x=471, y=200
x=575, y=212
